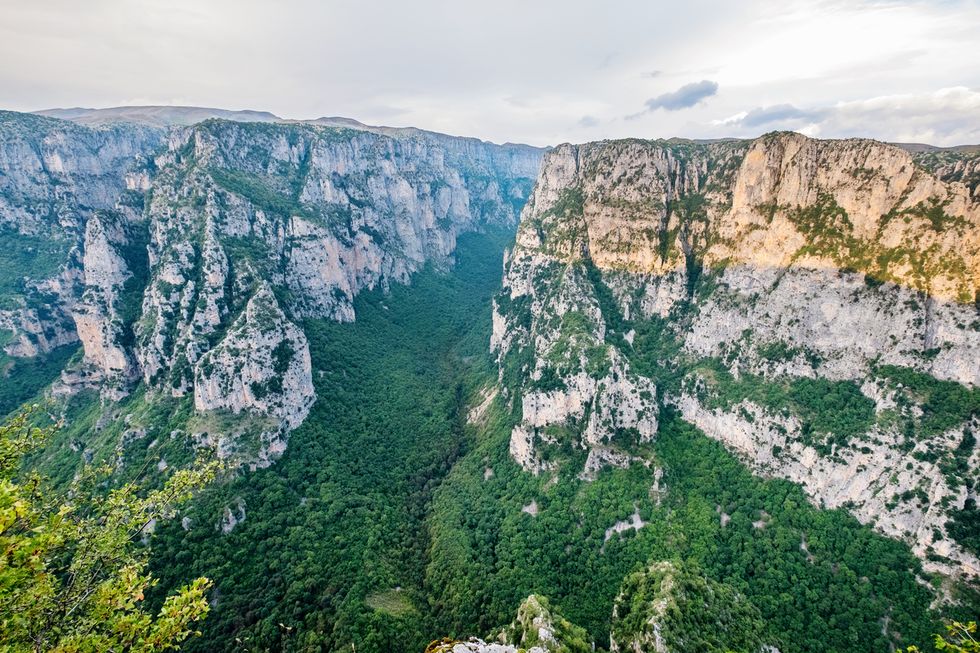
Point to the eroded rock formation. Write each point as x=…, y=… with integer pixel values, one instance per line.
x=750, y=285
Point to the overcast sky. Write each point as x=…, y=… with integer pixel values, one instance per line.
x=533, y=71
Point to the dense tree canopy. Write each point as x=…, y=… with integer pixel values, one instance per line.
x=73, y=574
x=395, y=516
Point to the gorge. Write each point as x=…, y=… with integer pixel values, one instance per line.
x=645, y=395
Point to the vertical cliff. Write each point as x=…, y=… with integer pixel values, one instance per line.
x=55, y=176
x=188, y=255
x=811, y=304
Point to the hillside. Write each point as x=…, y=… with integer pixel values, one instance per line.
x=644, y=395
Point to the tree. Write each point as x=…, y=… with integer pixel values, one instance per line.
x=961, y=639
x=72, y=572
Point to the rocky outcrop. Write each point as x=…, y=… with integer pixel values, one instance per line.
x=56, y=173
x=695, y=274
x=538, y=628
x=261, y=365
x=668, y=608
x=55, y=177
x=97, y=314
x=320, y=212
x=39, y=319
x=955, y=164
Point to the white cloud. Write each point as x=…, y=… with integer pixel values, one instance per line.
x=472, y=68
x=733, y=119
x=944, y=117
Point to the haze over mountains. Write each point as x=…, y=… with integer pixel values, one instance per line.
x=171, y=116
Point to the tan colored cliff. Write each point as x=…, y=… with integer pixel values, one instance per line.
x=846, y=256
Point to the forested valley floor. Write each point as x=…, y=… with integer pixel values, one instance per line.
x=391, y=519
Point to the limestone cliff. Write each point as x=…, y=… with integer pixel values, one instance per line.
x=189, y=252
x=54, y=177
x=960, y=164
x=97, y=313
x=261, y=365
x=316, y=213
x=805, y=302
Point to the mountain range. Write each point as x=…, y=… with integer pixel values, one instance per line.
x=647, y=395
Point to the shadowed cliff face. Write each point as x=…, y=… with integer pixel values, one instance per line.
x=805, y=302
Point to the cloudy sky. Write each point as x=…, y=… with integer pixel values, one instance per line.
x=536, y=71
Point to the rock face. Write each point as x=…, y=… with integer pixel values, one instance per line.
x=321, y=212
x=961, y=164
x=316, y=214
x=55, y=177
x=261, y=365
x=805, y=302
x=97, y=314
x=191, y=251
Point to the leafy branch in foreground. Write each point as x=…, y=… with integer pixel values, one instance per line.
x=960, y=639
x=72, y=574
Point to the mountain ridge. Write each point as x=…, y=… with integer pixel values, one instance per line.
x=166, y=251
x=185, y=115
x=780, y=259
x=673, y=314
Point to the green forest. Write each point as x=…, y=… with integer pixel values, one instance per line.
x=332, y=548
x=390, y=520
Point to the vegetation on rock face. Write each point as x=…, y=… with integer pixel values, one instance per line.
x=538, y=624
x=74, y=575
x=959, y=165
x=944, y=404
x=830, y=411
x=333, y=550
x=260, y=192
x=830, y=234
x=671, y=607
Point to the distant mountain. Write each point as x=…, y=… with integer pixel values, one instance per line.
x=155, y=116
x=916, y=148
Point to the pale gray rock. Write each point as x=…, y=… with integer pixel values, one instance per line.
x=55, y=176
x=261, y=365
x=841, y=256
